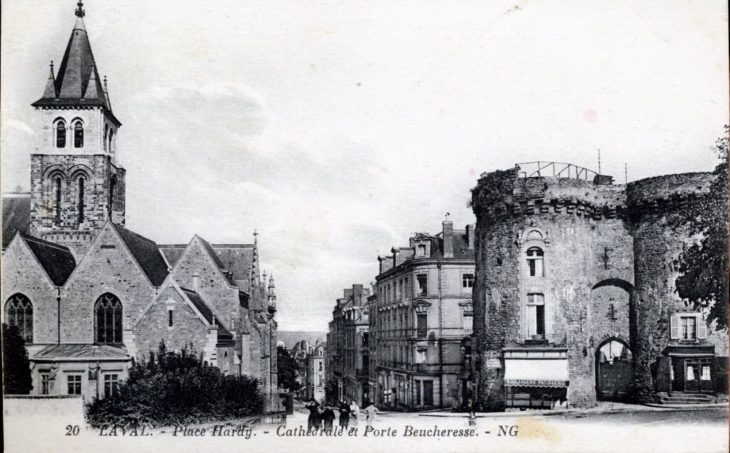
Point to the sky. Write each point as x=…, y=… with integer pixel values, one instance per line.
x=337, y=129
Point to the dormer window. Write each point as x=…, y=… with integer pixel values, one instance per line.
x=421, y=250
x=60, y=134
x=78, y=135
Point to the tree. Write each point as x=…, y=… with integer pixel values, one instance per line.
x=288, y=369
x=703, y=267
x=17, y=379
x=172, y=388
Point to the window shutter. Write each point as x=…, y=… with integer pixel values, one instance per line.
x=701, y=329
x=674, y=328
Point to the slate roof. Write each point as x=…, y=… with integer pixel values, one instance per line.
x=212, y=253
x=16, y=216
x=56, y=260
x=236, y=258
x=81, y=352
x=146, y=253
x=224, y=336
x=172, y=252
x=461, y=245
x=77, y=83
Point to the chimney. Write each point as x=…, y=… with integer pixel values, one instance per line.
x=470, y=236
x=448, y=239
x=196, y=282
x=357, y=295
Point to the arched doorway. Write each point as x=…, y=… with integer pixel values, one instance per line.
x=614, y=370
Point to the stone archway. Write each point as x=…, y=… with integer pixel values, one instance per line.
x=614, y=370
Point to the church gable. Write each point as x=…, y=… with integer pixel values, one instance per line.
x=181, y=318
x=172, y=319
x=23, y=274
x=198, y=270
x=107, y=268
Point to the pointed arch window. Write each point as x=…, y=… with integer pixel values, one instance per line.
x=82, y=182
x=19, y=312
x=78, y=135
x=106, y=134
x=108, y=319
x=60, y=134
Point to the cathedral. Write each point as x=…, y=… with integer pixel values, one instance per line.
x=88, y=295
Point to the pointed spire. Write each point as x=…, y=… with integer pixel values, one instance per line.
x=50, y=91
x=106, y=94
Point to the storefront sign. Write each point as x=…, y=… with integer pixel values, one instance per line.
x=534, y=383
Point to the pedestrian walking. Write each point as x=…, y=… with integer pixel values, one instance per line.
x=344, y=414
x=354, y=413
x=328, y=415
x=313, y=419
x=370, y=413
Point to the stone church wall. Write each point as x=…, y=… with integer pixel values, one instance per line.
x=106, y=267
x=187, y=329
x=97, y=170
x=21, y=273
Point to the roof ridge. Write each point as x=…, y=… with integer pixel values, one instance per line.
x=133, y=233
x=42, y=242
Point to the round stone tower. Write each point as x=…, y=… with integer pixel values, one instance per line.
x=574, y=297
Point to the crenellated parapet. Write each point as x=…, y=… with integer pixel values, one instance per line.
x=504, y=194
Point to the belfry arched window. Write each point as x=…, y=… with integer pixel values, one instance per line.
x=78, y=135
x=535, y=258
x=80, y=204
x=108, y=319
x=111, y=140
x=60, y=134
x=19, y=312
x=106, y=133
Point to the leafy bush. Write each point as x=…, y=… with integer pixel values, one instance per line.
x=172, y=388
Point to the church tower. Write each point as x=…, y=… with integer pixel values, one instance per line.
x=77, y=182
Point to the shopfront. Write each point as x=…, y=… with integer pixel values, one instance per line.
x=692, y=368
x=535, y=378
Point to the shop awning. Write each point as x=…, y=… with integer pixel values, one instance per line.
x=536, y=373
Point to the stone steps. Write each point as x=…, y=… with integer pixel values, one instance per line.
x=686, y=398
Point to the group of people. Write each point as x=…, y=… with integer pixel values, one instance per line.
x=320, y=415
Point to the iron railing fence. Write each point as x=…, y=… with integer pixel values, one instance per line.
x=554, y=169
